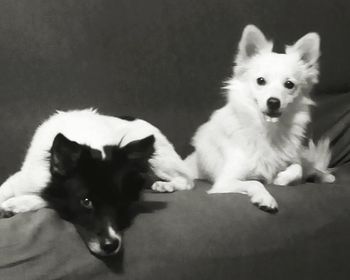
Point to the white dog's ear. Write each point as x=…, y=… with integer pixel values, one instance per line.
x=307, y=47
x=252, y=42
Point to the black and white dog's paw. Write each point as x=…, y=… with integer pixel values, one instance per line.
x=23, y=203
x=177, y=184
x=161, y=186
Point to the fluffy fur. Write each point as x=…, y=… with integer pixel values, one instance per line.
x=90, y=168
x=258, y=135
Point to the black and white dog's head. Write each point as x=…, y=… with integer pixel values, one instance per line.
x=94, y=193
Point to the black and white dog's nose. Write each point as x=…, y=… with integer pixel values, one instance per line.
x=273, y=104
x=109, y=246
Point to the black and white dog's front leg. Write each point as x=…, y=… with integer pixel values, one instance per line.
x=15, y=197
x=170, y=170
x=21, y=204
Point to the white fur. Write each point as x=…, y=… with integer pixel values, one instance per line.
x=292, y=174
x=94, y=244
x=95, y=130
x=240, y=144
x=23, y=203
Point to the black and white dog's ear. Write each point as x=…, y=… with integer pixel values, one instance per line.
x=252, y=42
x=64, y=155
x=138, y=152
x=140, y=149
x=307, y=47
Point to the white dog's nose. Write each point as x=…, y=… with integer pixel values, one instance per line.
x=273, y=104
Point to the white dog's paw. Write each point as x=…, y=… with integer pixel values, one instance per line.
x=328, y=178
x=161, y=186
x=322, y=177
x=292, y=175
x=265, y=202
x=281, y=180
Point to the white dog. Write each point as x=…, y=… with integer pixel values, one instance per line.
x=258, y=135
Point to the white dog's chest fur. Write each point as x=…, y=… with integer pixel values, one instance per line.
x=266, y=159
x=263, y=148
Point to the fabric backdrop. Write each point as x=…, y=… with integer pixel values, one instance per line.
x=162, y=60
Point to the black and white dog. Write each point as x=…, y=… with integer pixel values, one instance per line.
x=90, y=168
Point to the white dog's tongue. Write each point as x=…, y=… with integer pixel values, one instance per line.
x=271, y=119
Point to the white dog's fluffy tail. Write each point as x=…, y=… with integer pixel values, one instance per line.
x=319, y=155
x=318, y=158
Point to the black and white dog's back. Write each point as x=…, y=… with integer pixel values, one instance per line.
x=89, y=168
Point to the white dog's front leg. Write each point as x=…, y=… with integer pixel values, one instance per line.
x=228, y=182
x=22, y=203
x=292, y=174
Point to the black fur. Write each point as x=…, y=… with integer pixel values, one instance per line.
x=127, y=118
x=79, y=174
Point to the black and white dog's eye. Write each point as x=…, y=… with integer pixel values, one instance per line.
x=289, y=85
x=86, y=202
x=261, y=81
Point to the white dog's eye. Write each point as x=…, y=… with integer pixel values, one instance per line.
x=86, y=202
x=261, y=81
x=289, y=85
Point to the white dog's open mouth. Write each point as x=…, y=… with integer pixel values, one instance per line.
x=272, y=117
